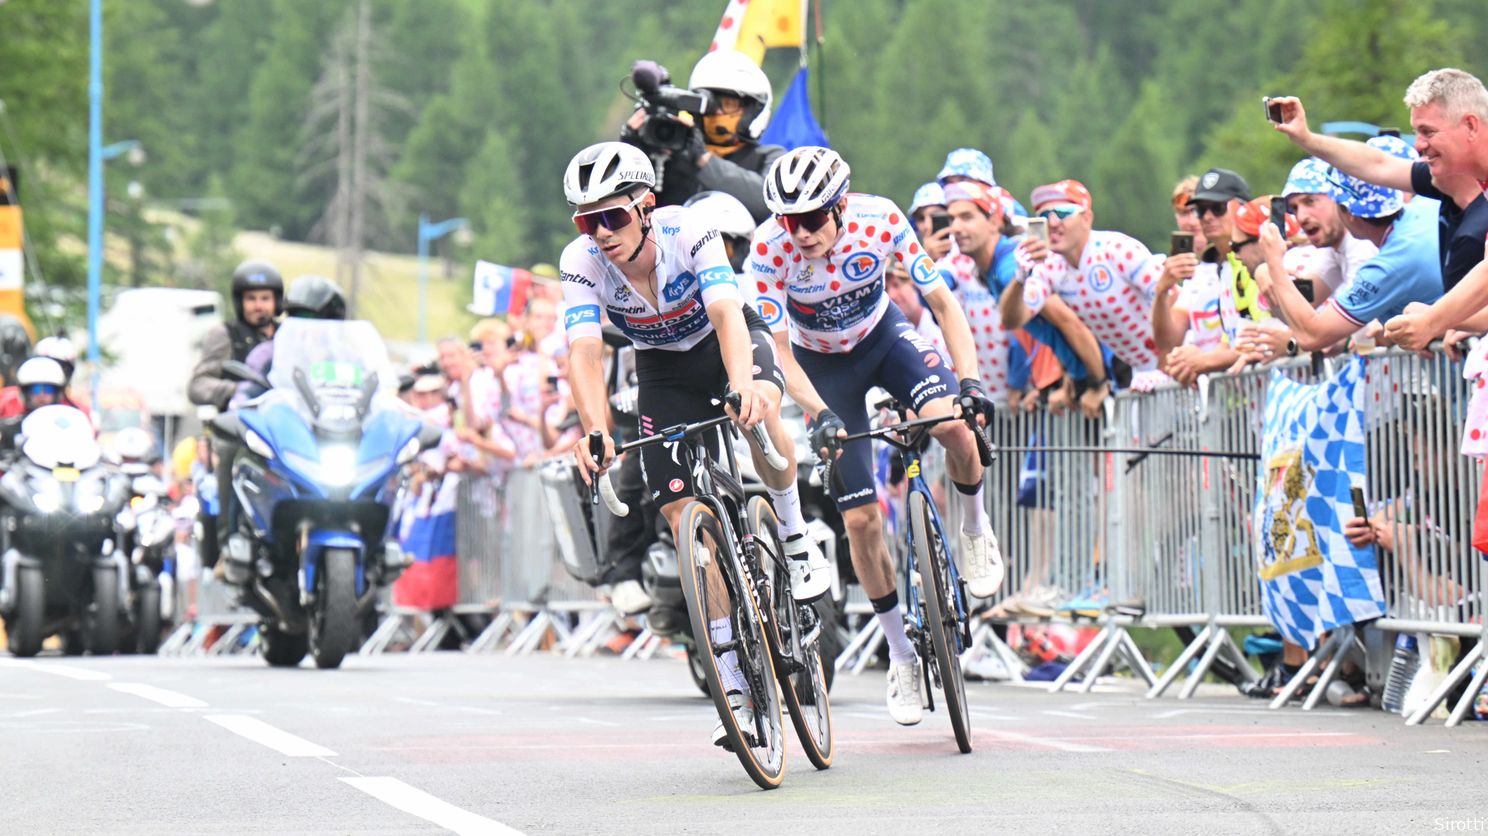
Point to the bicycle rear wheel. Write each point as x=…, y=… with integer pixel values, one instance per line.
x=798, y=665
x=941, y=619
x=761, y=748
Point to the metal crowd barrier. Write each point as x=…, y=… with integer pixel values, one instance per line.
x=219, y=629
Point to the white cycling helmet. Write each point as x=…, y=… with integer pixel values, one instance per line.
x=606, y=169
x=806, y=178
x=729, y=71
x=723, y=212
x=133, y=444
x=60, y=349
x=40, y=370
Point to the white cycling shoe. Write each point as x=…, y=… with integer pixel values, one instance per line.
x=630, y=598
x=982, y=558
x=810, y=573
x=743, y=708
x=903, y=698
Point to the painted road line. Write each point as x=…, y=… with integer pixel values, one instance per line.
x=1062, y=745
x=81, y=674
x=264, y=734
x=169, y=699
x=416, y=802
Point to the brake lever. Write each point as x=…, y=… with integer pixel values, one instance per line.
x=969, y=414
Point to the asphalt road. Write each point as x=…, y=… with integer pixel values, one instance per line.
x=490, y=744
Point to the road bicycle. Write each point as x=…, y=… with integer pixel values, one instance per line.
x=776, y=640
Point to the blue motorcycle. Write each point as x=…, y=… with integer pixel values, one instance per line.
x=316, y=480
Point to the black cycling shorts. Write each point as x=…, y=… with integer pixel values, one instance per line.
x=894, y=356
x=679, y=387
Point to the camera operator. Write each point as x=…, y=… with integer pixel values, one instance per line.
x=731, y=96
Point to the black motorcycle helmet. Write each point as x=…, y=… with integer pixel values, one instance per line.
x=257, y=275
x=15, y=346
x=315, y=297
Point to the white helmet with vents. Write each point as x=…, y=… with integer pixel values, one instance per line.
x=806, y=178
x=723, y=212
x=606, y=169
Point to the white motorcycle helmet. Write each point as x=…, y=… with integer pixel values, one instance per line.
x=804, y=179
x=729, y=71
x=723, y=212
x=41, y=371
x=133, y=444
x=606, y=169
x=60, y=349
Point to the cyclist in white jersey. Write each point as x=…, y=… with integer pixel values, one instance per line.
x=817, y=269
x=661, y=276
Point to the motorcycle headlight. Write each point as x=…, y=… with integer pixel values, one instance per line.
x=47, y=502
x=338, y=464
x=256, y=443
x=409, y=450
x=91, y=503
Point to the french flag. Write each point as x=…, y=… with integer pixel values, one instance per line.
x=426, y=533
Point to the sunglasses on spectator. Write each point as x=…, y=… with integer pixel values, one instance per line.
x=1236, y=245
x=1060, y=212
x=1207, y=207
x=614, y=218
x=809, y=221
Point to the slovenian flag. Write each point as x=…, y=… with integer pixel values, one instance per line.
x=426, y=532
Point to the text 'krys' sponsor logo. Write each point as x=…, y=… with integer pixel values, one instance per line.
x=680, y=285
x=769, y=310
x=716, y=276
x=581, y=315
x=859, y=266
x=670, y=230
x=711, y=234
x=576, y=278
x=1101, y=278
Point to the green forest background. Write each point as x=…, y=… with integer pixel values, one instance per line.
x=482, y=102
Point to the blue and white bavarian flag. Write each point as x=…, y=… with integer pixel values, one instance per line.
x=1312, y=452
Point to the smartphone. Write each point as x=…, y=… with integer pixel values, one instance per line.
x=553, y=381
x=1304, y=287
x=939, y=221
x=1273, y=109
x=1358, y=497
x=1039, y=228
x=1278, y=214
x=1180, y=243
x=1395, y=132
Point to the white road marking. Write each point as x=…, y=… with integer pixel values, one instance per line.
x=1054, y=713
x=169, y=699
x=596, y=722
x=418, y=803
x=1166, y=715
x=1046, y=742
x=82, y=674
x=37, y=711
x=264, y=734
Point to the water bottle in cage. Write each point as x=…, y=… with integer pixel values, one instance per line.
x=1403, y=666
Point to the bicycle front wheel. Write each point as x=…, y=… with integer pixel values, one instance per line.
x=941, y=619
x=760, y=746
x=798, y=663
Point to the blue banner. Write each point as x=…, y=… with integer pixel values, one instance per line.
x=794, y=125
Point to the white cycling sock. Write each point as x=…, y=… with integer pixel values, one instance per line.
x=721, y=630
x=787, y=504
x=974, y=519
x=886, y=610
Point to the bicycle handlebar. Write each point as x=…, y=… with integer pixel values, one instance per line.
x=601, y=486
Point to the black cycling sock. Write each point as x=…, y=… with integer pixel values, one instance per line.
x=969, y=490
x=886, y=603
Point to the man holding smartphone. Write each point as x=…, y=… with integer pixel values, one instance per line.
x=983, y=269
x=1108, y=279
x=1196, y=325
x=1333, y=256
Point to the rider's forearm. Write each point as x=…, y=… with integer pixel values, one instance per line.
x=797, y=385
x=957, y=332
x=733, y=342
x=586, y=380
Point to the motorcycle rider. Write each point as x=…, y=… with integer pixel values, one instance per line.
x=723, y=154
x=40, y=381
x=258, y=298
x=309, y=297
x=60, y=349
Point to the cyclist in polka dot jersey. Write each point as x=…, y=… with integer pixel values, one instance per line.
x=1111, y=290
x=818, y=271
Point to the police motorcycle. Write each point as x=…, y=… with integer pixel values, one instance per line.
x=61, y=570
x=321, y=469
x=147, y=536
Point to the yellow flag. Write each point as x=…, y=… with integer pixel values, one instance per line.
x=751, y=26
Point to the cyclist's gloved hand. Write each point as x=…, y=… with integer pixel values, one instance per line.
x=973, y=398
x=824, y=434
